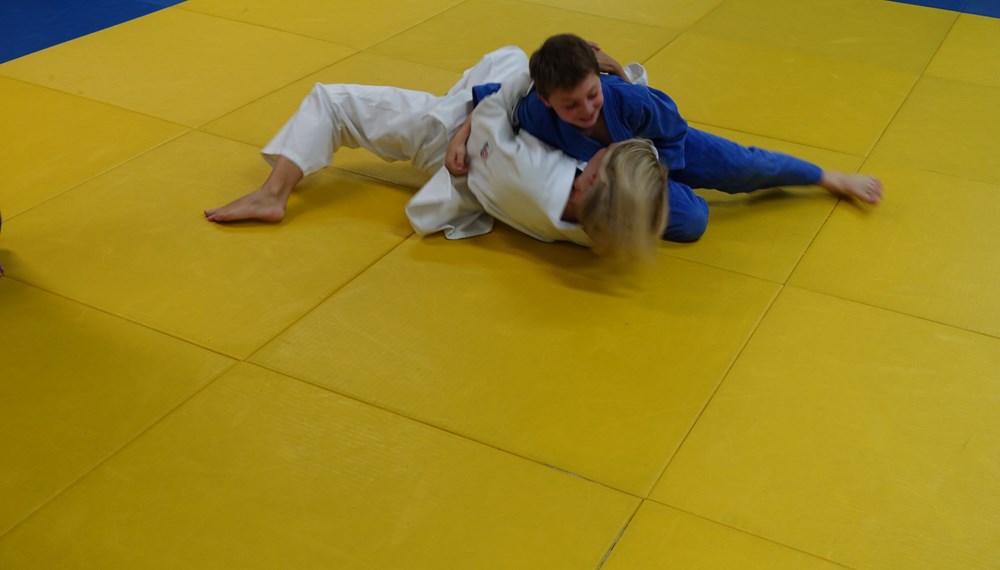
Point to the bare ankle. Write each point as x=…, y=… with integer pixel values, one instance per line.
x=830, y=180
x=276, y=191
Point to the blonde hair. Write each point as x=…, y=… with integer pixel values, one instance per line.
x=625, y=210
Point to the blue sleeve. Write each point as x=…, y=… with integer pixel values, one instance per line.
x=480, y=92
x=651, y=114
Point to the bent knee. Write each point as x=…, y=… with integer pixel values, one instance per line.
x=687, y=226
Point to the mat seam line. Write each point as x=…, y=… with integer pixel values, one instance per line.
x=93, y=100
x=104, y=172
x=621, y=534
x=867, y=157
x=750, y=534
x=593, y=15
x=327, y=297
x=77, y=481
x=715, y=390
x=439, y=428
x=302, y=35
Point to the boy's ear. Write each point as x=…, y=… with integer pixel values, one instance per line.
x=545, y=101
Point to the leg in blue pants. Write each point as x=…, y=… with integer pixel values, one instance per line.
x=687, y=214
x=716, y=163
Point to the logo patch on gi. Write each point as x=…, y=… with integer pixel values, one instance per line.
x=485, y=153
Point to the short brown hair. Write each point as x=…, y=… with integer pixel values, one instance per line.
x=562, y=63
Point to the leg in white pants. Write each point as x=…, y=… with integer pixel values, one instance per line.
x=395, y=124
x=392, y=123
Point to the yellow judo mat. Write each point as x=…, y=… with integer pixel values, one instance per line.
x=814, y=384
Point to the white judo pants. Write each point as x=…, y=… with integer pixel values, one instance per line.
x=393, y=123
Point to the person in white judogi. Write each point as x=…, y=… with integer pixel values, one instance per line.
x=511, y=176
x=514, y=177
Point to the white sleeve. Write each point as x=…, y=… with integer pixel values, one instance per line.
x=494, y=67
x=636, y=74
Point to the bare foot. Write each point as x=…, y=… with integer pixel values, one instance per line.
x=863, y=187
x=266, y=204
x=261, y=205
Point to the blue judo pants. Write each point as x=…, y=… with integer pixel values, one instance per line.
x=719, y=164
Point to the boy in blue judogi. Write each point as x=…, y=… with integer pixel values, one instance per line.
x=577, y=109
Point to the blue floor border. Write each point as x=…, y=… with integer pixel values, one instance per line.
x=989, y=8
x=27, y=26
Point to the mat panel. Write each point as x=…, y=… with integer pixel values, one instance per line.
x=863, y=436
x=77, y=385
x=145, y=251
x=780, y=93
x=970, y=53
x=354, y=23
x=929, y=250
x=534, y=348
x=661, y=537
x=765, y=233
x=177, y=65
x=875, y=33
x=675, y=14
x=949, y=127
x=502, y=22
x=261, y=471
x=55, y=141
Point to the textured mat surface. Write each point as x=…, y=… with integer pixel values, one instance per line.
x=811, y=385
x=864, y=415
x=193, y=490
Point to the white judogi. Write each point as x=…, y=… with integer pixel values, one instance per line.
x=393, y=123
x=517, y=179
x=514, y=178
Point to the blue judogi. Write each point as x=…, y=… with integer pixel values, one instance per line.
x=696, y=159
x=630, y=111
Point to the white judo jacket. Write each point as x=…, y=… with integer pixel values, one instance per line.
x=514, y=178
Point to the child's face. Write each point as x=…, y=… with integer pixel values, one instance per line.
x=580, y=106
